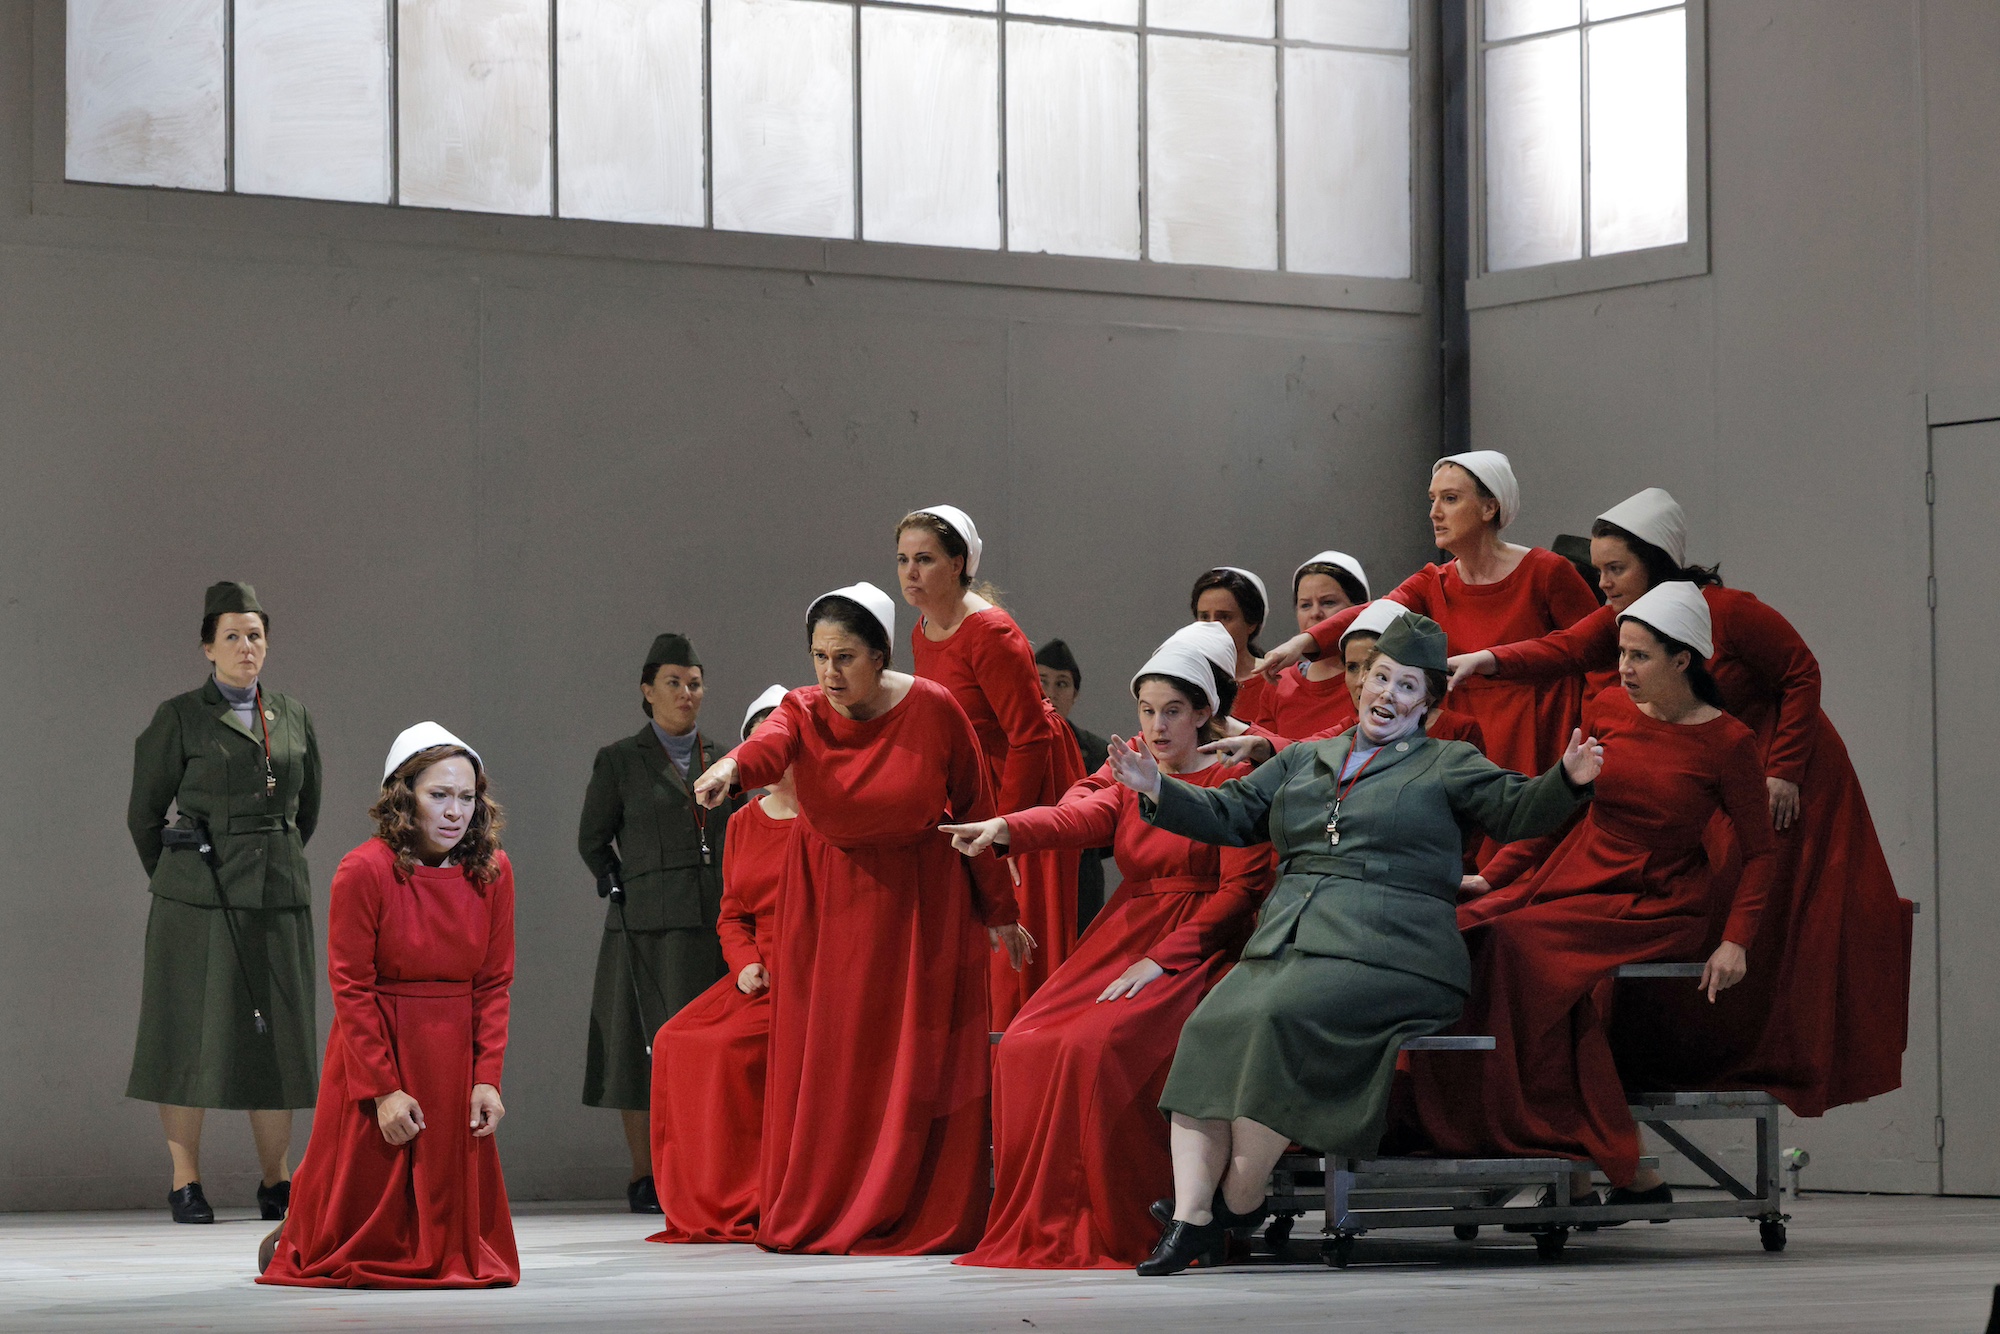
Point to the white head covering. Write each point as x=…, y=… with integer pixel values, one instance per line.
x=414, y=740
x=1255, y=583
x=961, y=523
x=1656, y=517
x=1491, y=467
x=877, y=603
x=1194, y=653
x=770, y=699
x=1335, y=558
x=1678, y=611
x=1374, y=618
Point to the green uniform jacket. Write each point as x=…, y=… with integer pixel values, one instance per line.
x=639, y=801
x=1388, y=894
x=196, y=755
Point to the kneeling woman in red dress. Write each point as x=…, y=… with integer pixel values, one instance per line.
x=1080, y=1147
x=1631, y=883
x=708, y=1060
x=420, y=954
x=875, y=1101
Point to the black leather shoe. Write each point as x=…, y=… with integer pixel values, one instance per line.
x=274, y=1202
x=1184, y=1244
x=641, y=1197
x=1660, y=1194
x=190, y=1205
x=1162, y=1212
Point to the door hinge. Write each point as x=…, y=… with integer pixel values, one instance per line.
x=1930, y=488
x=1930, y=591
x=1937, y=1131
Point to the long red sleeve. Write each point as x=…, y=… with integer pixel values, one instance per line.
x=1086, y=817
x=1223, y=921
x=1746, y=799
x=490, y=985
x=354, y=915
x=965, y=789
x=1766, y=642
x=1564, y=593
x=1006, y=670
x=736, y=925
x=1590, y=645
x=763, y=758
x=1327, y=633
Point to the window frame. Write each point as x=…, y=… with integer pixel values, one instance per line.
x=1594, y=273
x=56, y=194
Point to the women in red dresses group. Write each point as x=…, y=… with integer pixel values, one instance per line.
x=901, y=884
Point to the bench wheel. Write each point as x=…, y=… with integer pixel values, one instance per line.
x=1771, y=1231
x=1466, y=1232
x=1337, y=1250
x=1549, y=1245
x=1277, y=1234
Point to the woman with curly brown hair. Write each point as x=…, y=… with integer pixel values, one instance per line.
x=420, y=954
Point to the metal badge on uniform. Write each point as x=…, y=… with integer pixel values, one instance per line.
x=1402, y=745
x=270, y=716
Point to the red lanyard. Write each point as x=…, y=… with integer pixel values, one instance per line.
x=1340, y=791
x=270, y=774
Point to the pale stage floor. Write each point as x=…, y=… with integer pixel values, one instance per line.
x=1882, y=1264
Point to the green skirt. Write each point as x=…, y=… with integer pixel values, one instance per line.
x=674, y=968
x=198, y=1044
x=1305, y=1045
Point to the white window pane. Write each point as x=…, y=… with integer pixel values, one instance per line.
x=1212, y=152
x=1516, y=18
x=145, y=93
x=628, y=110
x=1072, y=140
x=1534, y=153
x=473, y=104
x=1235, y=18
x=988, y=6
x=782, y=73
x=312, y=99
x=1638, y=133
x=1094, y=11
x=1598, y=10
x=930, y=129
x=1379, y=23
x=1347, y=163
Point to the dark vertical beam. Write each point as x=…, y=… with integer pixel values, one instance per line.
x=1454, y=230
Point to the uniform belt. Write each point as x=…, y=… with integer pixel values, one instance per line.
x=257, y=824
x=1369, y=870
x=389, y=986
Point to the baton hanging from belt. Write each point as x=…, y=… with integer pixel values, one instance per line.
x=198, y=840
x=609, y=886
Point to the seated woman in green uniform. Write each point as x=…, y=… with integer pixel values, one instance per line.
x=1357, y=950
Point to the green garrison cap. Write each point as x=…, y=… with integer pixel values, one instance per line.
x=1055, y=656
x=1414, y=641
x=673, y=650
x=228, y=596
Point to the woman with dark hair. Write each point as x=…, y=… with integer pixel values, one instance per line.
x=1235, y=599
x=973, y=649
x=875, y=1100
x=659, y=857
x=1080, y=1150
x=709, y=1060
x=1313, y=697
x=1823, y=1020
x=226, y=1002
x=1631, y=883
x=1356, y=950
x=420, y=955
x=1490, y=592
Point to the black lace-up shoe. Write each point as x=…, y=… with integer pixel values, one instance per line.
x=274, y=1202
x=190, y=1205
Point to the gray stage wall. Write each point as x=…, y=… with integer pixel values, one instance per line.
x=472, y=475
x=1855, y=216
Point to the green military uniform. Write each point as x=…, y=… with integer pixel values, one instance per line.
x=198, y=1045
x=639, y=825
x=1357, y=947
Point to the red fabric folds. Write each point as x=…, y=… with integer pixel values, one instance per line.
x=989, y=668
x=709, y=1059
x=875, y=1103
x=1080, y=1147
x=1633, y=882
x=1296, y=707
x=420, y=970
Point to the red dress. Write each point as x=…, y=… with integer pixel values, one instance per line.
x=990, y=670
x=1253, y=702
x=875, y=1101
x=708, y=1060
x=1823, y=1016
x=1080, y=1147
x=1527, y=727
x=1631, y=883
x=420, y=969
x=1298, y=707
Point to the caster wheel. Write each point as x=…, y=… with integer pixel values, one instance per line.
x=1337, y=1251
x=1277, y=1235
x=1549, y=1245
x=1771, y=1231
x=1466, y=1231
